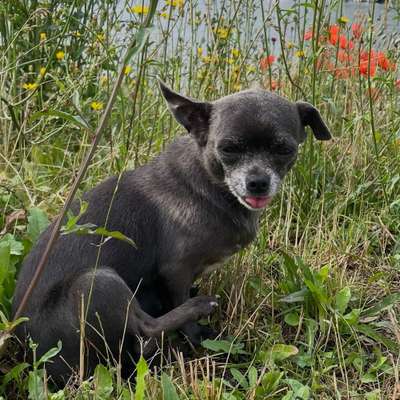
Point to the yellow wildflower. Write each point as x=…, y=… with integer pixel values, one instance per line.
x=30, y=86
x=230, y=61
x=222, y=33
x=344, y=20
x=206, y=59
x=164, y=15
x=42, y=36
x=60, y=55
x=175, y=3
x=199, y=51
x=96, y=105
x=237, y=87
x=235, y=53
x=77, y=34
x=100, y=37
x=139, y=9
x=42, y=71
x=289, y=45
x=201, y=74
x=251, y=68
x=127, y=70
x=300, y=53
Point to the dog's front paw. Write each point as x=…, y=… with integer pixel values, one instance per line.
x=202, y=306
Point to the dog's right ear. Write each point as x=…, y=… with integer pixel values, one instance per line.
x=311, y=117
x=193, y=115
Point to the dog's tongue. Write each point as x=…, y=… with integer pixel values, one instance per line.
x=257, y=202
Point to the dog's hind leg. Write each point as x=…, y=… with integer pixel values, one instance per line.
x=114, y=322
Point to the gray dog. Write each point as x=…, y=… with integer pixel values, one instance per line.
x=187, y=210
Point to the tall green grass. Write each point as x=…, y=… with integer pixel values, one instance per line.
x=310, y=310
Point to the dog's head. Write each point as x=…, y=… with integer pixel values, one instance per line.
x=249, y=140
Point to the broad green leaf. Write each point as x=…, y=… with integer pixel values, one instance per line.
x=36, y=387
x=4, y=261
x=16, y=248
x=240, y=378
x=103, y=382
x=252, y=376
x=279, y=352
x=300, y=391
x=49, y=354
x=169, y=391
x=342, y=299
x=223, y=346
x=14, y=374
x=270, y=381
x=292, y=318
x=295, y=297
x=37, y=223
x=141, y=371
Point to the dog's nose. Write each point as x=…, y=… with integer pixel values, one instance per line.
x=258, y=185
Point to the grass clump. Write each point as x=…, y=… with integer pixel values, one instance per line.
x=311, y=309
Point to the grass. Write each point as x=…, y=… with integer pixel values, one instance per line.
x=310, y=309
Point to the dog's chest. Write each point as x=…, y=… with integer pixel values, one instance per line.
x=220, y=244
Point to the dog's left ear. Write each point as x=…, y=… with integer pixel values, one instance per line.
x=311, y=117
x=192, y=114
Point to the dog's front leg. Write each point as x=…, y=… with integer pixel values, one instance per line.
x=179, y=292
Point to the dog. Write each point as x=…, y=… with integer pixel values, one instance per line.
x=191, y=207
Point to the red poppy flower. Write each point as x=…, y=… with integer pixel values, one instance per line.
x=344, y=56
x=274, y=85
x=383, y=62
x=364, y=55
x=364, y=70
x=265, y=62
x=397, y=84
x=342, y=41
x=356, y=30
x=308, y=35
x=334, y=34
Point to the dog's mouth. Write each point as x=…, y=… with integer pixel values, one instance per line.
x=257, y=202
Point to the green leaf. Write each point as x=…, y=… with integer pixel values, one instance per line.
x=91, y=229
x=14, y=374
x=252, y=376
x=240, y=378
x=270, y=381
x=300, y=391
x=74, y=119
x=223, y=346
x=141, y=371
x=49, y=355
x=36, y=388
x=295, y=297
x=103, y=382
x=37, y=223
x=386, y=302
x=292, y=318
x=279, y=352
x=16, y=248
x=370, y=332
x=4, y=261
x=169, y=391
x=342, y=299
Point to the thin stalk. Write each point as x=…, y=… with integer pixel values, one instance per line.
x=84, y=166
